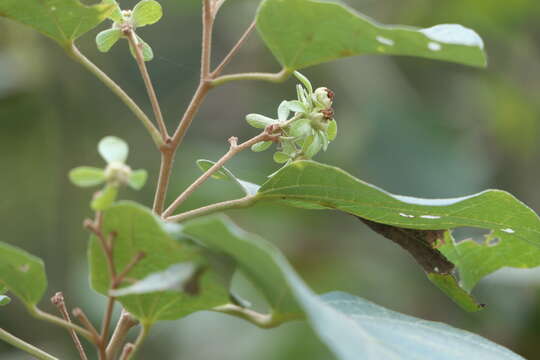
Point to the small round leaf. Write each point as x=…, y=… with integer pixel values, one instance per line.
x=137, y=179
x=146, y=12
x=113, y=149
x=147, y=52
x=259, y=121
x=86, y=176
x=105, y=198
x=281, y=157
x=300, y=128
x=116, y=15
x=283, y=111
x=107, y=38
x=331, y=131
x=261, y=146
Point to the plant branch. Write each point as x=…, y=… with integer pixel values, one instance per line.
x=206, y=52
x=241, y=203
x=167, y=159
x=233, y=51
x=143, y=333
x=265, y=321
x=270, y=77
x=136, y=46
x=24, y=346
x=233, y=150
x=59, y=302
x=125, y=323
x=41, y=315
x=83, y=319
x=126, y=352
x=74, y=52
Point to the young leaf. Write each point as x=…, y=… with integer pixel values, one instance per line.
x=61, y=20
x=137, y=179
x=261, y=146
x=351, y=327
x=311, y=185
x=318, y=32
x=283, y=111
x=225, y=174
x=259, y=121
x=107, y=38
x=331, y=131
x=113, y=149
x=281, y=157
x=138, y=230
x=86, y=176
x=22, y=274
x=116, y=14
x=146, y=12
x=312, y=145
x=147, y=52
x=174, y=278
x=300, y=128
x=305, y=81
x=4, y=300
x=104, y=198
x=296, y=106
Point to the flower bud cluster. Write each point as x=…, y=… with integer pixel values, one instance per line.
x=310, y=128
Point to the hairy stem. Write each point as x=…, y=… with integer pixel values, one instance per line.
x=233, y=150
x=269, y=77
x=233, y=51
x=74, y=52
x=136, y=46
x=24, y=346
x=241, y=203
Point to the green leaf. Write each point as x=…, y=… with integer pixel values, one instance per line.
x=137, y=179
x=302, y=33
x=107, y=38
x=4, y=300
x=300, y=128
x=351, y=327
x=331, y=131
x=174, y=278
x=138, y=230
x=86, y=176
x=449, y=285
x=305, y=81
x=283, y=111
x=225, y=174
x=146, y=12
x=311, y=185
x=22, y=274
x=104, y=198
x=113, y=149
x=147, y=52
x=355, y=328
x=62, y=20
x=116, y=14
x=312, y=145
x=259, y=121
x=281, y=157
x=261, y=146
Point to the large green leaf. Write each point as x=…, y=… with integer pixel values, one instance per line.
x=351, y=327
x=311, y=185
x=138, y=230
x=22, y=274
x=301, y=33
x=62, y=20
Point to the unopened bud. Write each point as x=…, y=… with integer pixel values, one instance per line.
x=117, y=173
x=324, y=97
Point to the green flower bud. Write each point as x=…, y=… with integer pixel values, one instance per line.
x=117, y=173
x=324, y=97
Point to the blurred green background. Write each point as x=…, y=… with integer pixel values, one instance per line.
x=412, y=126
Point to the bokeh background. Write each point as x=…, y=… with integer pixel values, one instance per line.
x=414, y=127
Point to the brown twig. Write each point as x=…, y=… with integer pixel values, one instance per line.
x=125, y=323
x=127, y=351
x=59, y=302
x=136, y=45
x=233, y=51
x=233, y=150
x=83, y=319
